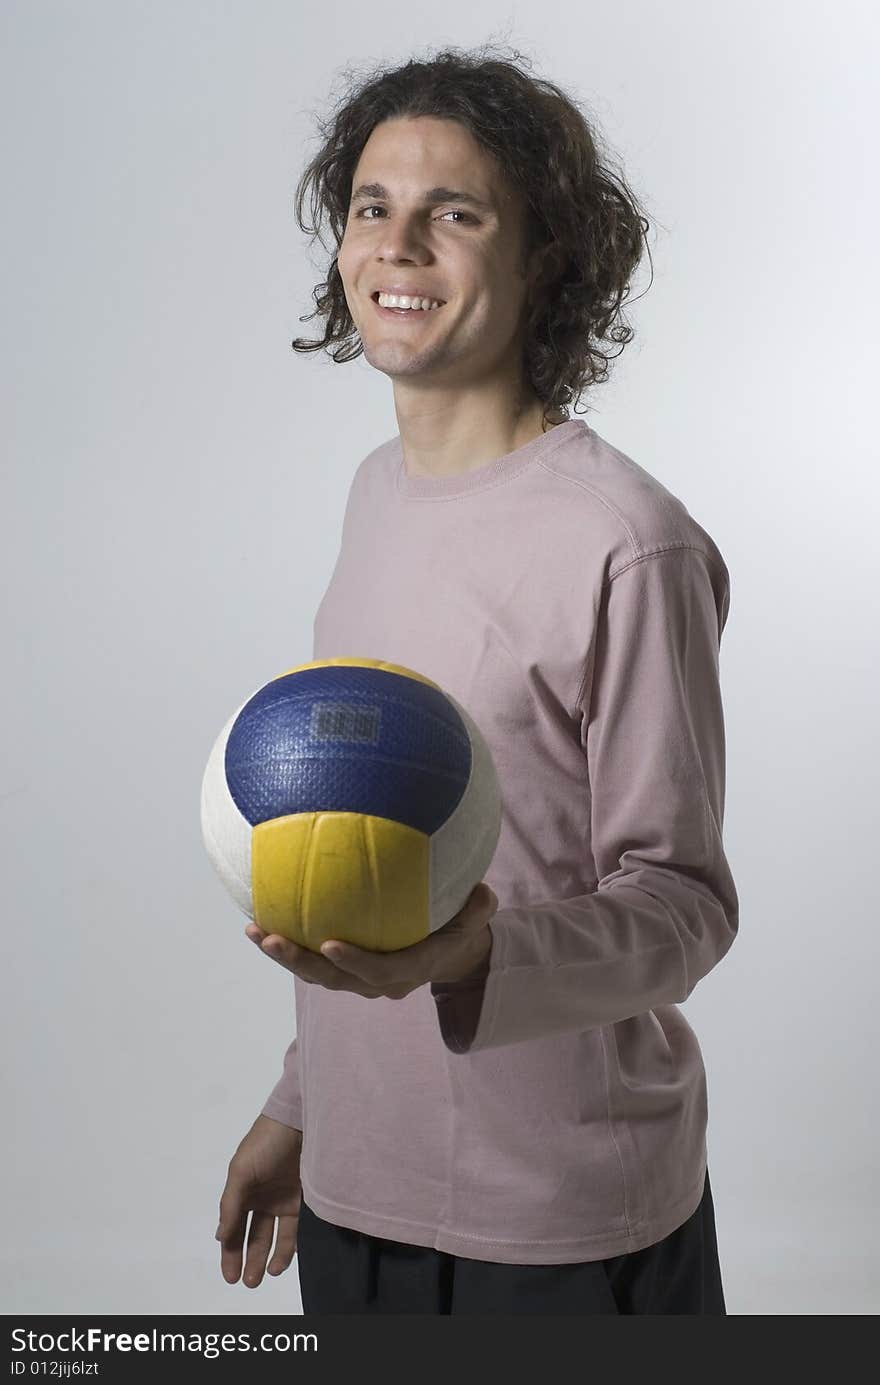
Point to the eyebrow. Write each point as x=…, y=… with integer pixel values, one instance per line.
x=368, y=190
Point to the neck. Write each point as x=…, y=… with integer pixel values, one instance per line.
x=454, y=437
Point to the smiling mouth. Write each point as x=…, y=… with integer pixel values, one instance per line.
x=401, y=313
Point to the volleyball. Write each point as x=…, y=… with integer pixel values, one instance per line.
x=350, y=798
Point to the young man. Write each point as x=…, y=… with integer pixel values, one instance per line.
x=510, y=1116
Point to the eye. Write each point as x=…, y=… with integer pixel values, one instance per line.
x=456, y=211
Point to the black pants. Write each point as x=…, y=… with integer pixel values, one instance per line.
x=346, y=1271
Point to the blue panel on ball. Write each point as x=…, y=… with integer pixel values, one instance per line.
x=352, y=740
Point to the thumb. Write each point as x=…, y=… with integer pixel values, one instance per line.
x=487, y=898
x=482, y=899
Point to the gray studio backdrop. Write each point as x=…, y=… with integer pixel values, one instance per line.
x=174, y=479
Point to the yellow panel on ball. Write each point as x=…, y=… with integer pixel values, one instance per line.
x=350, y=876
x=363, y=663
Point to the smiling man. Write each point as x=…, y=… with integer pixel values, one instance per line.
x=511, y=1116
x=434, y=224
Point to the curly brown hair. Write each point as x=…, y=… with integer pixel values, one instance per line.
x=542, y=140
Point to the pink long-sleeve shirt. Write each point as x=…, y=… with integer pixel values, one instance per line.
x=555, y=1112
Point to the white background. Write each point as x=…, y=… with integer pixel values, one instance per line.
x=174, y=481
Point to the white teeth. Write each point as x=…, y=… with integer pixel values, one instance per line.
x=395, y=300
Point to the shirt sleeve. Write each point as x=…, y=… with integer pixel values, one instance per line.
x=284, y=1102
x=664, y=910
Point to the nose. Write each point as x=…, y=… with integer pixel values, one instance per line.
x=401, y=241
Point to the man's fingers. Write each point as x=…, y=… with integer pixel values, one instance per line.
x=285, y=1245
x=262, y=1229
x=230, y=1234
x=311, y=966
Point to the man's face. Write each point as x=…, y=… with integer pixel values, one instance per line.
x=467, y=255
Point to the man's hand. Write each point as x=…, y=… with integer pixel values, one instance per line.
x=459, y=951
x=263, y=1181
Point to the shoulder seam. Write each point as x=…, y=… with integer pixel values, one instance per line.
x=640, y=556
x=594, y=492
x=676, y=545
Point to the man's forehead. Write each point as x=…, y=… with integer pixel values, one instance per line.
x=408, y=161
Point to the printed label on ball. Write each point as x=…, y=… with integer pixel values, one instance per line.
x=340, y=721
